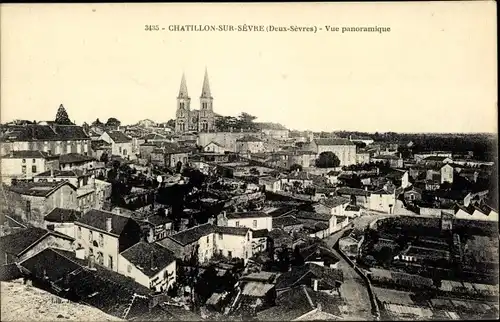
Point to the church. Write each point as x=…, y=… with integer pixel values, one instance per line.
x=202, y=120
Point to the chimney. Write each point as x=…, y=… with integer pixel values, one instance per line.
x=52, y=173
x=80, y=253
x=109, y=225
x=315, y=285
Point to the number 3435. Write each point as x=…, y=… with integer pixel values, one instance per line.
x=151, y=27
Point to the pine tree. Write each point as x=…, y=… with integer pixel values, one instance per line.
x=62, y=116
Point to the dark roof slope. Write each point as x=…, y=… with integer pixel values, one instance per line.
x=333, y=202
x=74, y=158
x=61, y=173
x=149, y=258
x=353, y=191
x=260, y=233
x=240, y=231
x=38, y=189
x=119, y=137
x=333, y=141
x=248, y=214
x=327, y=277
x=53, y=132
x=318, y=252
x=248, y=138
x=312, y=216
x=285, y=221
x=61, y=215
x=192, y=234
x=97, y=219
x=27, y=154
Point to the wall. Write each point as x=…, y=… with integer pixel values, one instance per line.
x=252, y=147
x=173, y=158
x=382, y=202
x=262, y=223
x=276, y=134
x=226, y=139
x=12, y=168
x=447, y=174
x=239, y=246
x=109, y=247
x=47, y=242
x=345, y=153
x=55, y=147
x=67, y=228
x=214, y=148
x=162, y=282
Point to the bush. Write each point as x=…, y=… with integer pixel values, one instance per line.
x=327, y=159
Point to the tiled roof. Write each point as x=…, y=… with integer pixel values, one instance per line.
x=61, y=215
x=119, y=137
x=312, y=216
x=248, y=214
x=248, y=138
x=335, y=201
x=154, y=136
x=318, y=252
x=99, y=144
x=97, y=219
x=26, y=154
x=74, y=158
x=333, y=141
x=38, y=189
x=148, y=258
x=240, y=231
x=435, y=158
x=260, y=233
x=23, y=239
x=61, y=173
x=192, y=234
x=353, y=191
x=158, y=220
x=326, y=276
x=36, y=132
x=385, y=157
x=213, y=142
x=285, y=221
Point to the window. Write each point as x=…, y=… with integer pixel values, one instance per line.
x=101, y=240
x=229, y=254
x=220, y=236
x=79, y=246
x=120, y=149
x=24, y=160
x=91, y=238
x=79, y=232
x=68, y=148
x=91, y=251
x=23, y=169
x=237, y=224
x=33, y=169
x=129, y=268
x=248, y=237
x=255, y=224
x=28, y=206
x=220, y=252
x=100, y=258
x=110, y=262
x=33, y=161
x=246, y=254
x=208, y=239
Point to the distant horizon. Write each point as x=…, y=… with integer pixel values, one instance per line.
x=434, y=72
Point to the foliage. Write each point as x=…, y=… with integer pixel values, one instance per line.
x=283, y=262
x=327, y=159
x=171, y=123
x=297, y=259
x=254, y=171
x=97, y=123
x=295, y=167
x=244, y=121
x=113, y=122
x=62, y=116
x=104, y=157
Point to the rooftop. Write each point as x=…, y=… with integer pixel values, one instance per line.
x=61, y=215
x=148, y=258
x=192, y=234
x=333, y=141
x=27, y=154
x=37, y=132
x=248, y=214
x=335, y=201
x=38, y=189
x=74, y=158
x=97, y=219
x=285, y=221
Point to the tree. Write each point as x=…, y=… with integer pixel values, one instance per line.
x=104, y=157
x=327, y=159
x=97, y=123
x=297, y=260
x=295, y=167
x=171, y=123
x=245, y=121
x=178, y=167
x=113, y=122
x=254, y=172
x=284, y=260
x=62, y=116
x=226, y=123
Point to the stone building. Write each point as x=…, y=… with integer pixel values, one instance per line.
x=202, y=120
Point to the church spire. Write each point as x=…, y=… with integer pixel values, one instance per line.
x=205, y=91
x=183, y=92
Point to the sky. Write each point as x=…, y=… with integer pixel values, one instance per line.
x=435, y=71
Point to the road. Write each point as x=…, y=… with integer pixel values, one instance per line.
x=354, y=291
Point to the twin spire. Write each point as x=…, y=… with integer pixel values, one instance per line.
x=205, y=90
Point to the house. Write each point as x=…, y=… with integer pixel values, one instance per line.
x=393, y=160
x=333, y=177
x=100, y=148
x=39, y=198
x=362, y=157
x=149, y=264
x=121, y=144
x=25, y=243
x=168, y=155
x=319, y=278
x=287, y=223
x=203, y=241
x=382, y=200
x=53, y=138
x=270, y=183
x=352, y=211
x=446, y=173
x=399, y=178
x=76, y=161
x=350, y=246
x=254, y=220
x=413, y=194
x=260, y=240
x=62, y=221
x=319, y=254
x=279, y=239
x=436, y=160
x=105, y=234
x=344, y=149
x=359, y=197
x=26, y=164
x=342, y=222
x=334, y=205
x=313, y=218
x=249, y=144
x=274, y=130
x=302, y=303
x=156, y=227
x=214, y=147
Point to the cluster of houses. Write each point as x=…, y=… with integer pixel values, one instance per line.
x=61, y=225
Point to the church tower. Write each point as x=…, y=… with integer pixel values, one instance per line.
x=183, y=108
x=206, y=116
